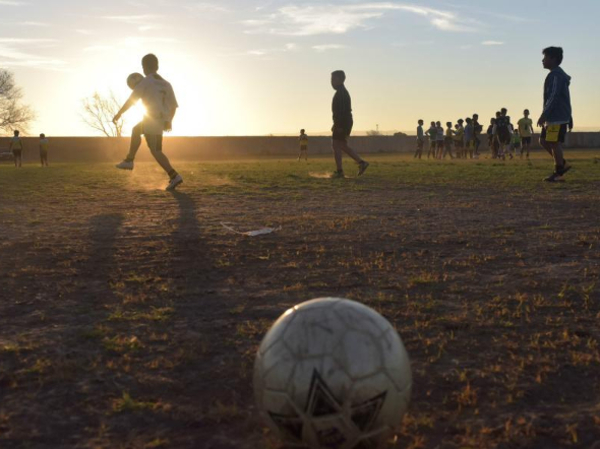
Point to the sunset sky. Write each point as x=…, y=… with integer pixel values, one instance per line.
x=259, y=67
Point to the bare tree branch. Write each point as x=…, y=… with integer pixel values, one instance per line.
x=98, y=112
x=13, y=114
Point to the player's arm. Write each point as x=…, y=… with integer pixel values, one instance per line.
x=571, y=124
x=555, y=89
x=131, y=101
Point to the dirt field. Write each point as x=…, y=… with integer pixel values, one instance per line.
x=129, y=316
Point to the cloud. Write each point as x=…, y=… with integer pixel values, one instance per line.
x=207, y=7
x=19, y=40
x=143, y=22
x=11, y=56
x=267, y=51
x=12, y=3
x=340, y=19
x=35, y=24
x=326, y=47
x=492, y=43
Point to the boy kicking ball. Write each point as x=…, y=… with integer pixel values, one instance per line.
x=557, y=115
x=160, y=103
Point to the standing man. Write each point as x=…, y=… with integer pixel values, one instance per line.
x=557, y=115
x=160, y=103
x=342, y=125
x=526, y=132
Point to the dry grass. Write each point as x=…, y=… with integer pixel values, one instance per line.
x=129, y=317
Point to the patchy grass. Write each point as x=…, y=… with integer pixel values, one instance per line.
x=129, y=317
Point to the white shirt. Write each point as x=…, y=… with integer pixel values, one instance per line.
x=159, y=100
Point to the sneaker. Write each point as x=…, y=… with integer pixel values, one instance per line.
x=337, y=174
x=125, y=165
x=554, y=177
x=564, y=169
x=362, y=168
x=174, y=182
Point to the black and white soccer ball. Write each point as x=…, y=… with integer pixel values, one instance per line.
x=134, y=79
x=332, y=373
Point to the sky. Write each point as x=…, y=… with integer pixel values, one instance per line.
x=263, y=67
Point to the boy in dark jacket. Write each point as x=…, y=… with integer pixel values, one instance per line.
x=342, y=125
x=557, y=115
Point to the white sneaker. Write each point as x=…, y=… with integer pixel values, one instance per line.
x=125, y=165
x=175, y=182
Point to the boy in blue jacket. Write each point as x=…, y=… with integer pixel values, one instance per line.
x=557, y=115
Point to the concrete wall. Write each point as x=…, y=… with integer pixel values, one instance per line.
x=102, y=149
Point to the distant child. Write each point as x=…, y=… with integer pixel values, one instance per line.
x=526, y=132
x=16, y=146
x=557, y=115
x=477, y=130
x=159, y=99
x=459, y=138
x=469, y=138
x=44, y=150
x=492, y=139
x=503, y=134
x=448, y=140
x=432, y=133
x=303, y=139
x=342, y=125
x=516, y=142
x=420, y=140
x=440, y=139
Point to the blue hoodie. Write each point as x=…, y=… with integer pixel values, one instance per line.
x=557, y=100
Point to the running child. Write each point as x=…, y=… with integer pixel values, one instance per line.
x=557, y=115
x=16, y=146
x=159, y=100
x=526, y=132
x=44, y=144
x=303, y=139
x=342, y=125
x=420, y=140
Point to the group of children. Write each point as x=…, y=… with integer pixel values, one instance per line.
x=463, y=139
x=16, y=147
x=460, y=140
x=506, y=140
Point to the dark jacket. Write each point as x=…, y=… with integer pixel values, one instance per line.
x=557, y=99
x=342, y=113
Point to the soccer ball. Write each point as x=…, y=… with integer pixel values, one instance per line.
x=134, y=79
x=332, y=373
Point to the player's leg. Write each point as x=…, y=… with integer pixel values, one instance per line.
x=134, y=145
x=42, y=159
x=155, y=142
x=336, y=146
x=362, y=164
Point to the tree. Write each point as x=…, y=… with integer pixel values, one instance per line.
x=98, y=113
x=13, y=114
